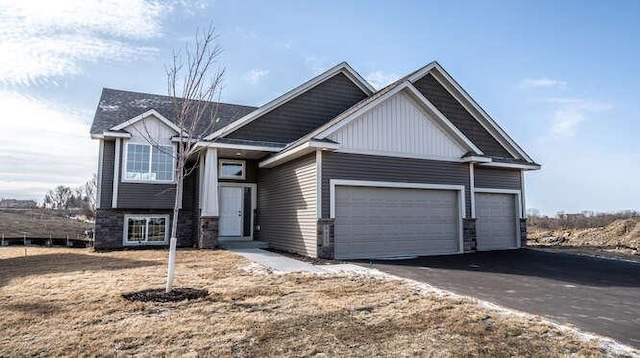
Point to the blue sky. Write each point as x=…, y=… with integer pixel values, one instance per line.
x=560, y=77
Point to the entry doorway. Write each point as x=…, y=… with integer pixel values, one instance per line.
x=237, y=206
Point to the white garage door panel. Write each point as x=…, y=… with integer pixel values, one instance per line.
x=385, y=222
x=496, y=227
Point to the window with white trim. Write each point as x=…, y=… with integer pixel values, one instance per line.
x=146, y=229
x=145, y=162
x=231, y=169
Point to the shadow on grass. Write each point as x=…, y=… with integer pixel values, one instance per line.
x=33, y=308
x=583, y=270
x=41, y=264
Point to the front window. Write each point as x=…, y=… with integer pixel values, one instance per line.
x=145, y=162
x=232, y=169
x=145, y=229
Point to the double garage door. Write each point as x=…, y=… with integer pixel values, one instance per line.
x=374, y=222
x=377, y=222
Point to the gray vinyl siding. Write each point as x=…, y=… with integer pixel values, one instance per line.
x=494, y=178
x=391, y=169
x=251, y=172
x=304, y=113
x=458, y=115
x=108, y=159
x=144, y=195
x=287, y=206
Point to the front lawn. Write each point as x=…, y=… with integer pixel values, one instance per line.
x=68, y=302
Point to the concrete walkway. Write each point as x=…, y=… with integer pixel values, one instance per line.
x=276, y=261
x=283, y=264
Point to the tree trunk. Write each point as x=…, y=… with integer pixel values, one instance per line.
x=174, y=222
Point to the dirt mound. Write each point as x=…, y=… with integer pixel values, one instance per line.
x=160, y=295
x=623, y=233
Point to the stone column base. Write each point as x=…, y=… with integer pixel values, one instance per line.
x=326, y=238
x=523, y=232
x=469, y=236
x=208, y=233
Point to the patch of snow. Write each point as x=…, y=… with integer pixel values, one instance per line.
x=148, y=102
x=611, y=347
x=258, y=269
x=109, y=108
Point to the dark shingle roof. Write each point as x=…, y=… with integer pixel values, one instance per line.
x=118, y=106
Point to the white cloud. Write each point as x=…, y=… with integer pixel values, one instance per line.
x=542, y=82
x=316, y=64
x=254, y=76
x=44, y=144
x=42, y=40
x=379, y=79
x=568, y=113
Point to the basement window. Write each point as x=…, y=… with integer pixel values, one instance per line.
x=232, y=169
x=146, y=229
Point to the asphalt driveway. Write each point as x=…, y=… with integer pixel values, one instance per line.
x=596, y=295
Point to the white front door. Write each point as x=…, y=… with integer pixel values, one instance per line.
x=231, y=211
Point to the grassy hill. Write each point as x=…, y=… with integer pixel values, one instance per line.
x=621, y=235
x=40, y=223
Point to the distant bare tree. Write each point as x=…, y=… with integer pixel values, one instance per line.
x=65, y=198
x=193, y=78
x=585, y=219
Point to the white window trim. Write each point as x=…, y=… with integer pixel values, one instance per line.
x=517, y=196
x=381, y=184
x=221, y=162
x=146, y=181
x=125, y=229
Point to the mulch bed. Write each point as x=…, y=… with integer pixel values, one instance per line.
x=159, y=295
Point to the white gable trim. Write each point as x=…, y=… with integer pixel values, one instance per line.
x=151, y=112
x=296, y=152
x=446, y=125
x=340, y=68
x=472, y=107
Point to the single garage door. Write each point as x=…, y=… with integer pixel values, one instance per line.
x=496, y=227
x=374, y=222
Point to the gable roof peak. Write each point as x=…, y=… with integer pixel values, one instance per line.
x=342, y=67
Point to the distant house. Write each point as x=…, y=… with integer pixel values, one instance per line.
x=17, y=204
x=332, y=168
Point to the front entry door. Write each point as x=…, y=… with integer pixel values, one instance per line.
x=231, y=211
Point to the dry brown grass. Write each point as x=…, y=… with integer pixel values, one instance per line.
x=68, y=302
x=622, y=237
x=40, y=223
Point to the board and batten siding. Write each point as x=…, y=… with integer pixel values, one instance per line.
x=390, y=169
x=398, y=127
x=133, y=195
x=108, y=159
x=287, y=206
x=494, y=178
x=304, y=113
x=459, y=116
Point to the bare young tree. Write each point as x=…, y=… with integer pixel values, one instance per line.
x=194, y=78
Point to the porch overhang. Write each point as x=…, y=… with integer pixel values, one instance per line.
x=297, y=152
